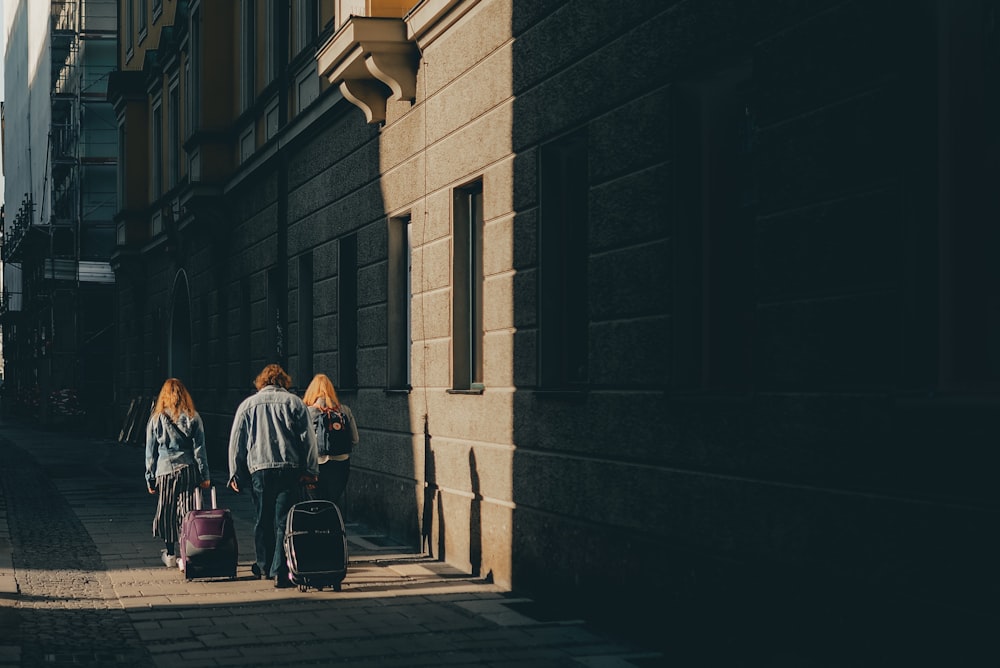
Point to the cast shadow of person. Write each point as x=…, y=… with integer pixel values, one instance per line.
x=430, y=496
x=475, y=518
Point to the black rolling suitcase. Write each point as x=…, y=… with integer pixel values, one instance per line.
x=208, y=541
x=316, y=545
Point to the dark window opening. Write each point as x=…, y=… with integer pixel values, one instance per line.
x=347, y=312
x=563, y=261
x=398, y=325
x=714, y=258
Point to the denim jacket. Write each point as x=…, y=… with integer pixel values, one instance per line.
x=272, y=430
x=167, y=452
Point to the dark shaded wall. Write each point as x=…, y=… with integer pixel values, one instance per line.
x=784, y=430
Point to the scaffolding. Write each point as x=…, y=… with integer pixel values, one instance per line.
x=62, y=245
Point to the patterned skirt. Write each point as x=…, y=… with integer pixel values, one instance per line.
x=176, y=496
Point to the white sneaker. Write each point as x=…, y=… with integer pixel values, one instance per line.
x=180, y=564
x=169, y=560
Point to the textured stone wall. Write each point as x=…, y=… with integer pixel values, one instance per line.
x=736, y=462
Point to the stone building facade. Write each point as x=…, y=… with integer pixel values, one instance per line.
x=686, y=306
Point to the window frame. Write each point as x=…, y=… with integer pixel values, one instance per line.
x=713, y=305
x=129, y=20
x=270, y=42
x=248, y=73
x=467, y=288
x=173, y=134
x=156, y=149
x=193, y=74
x=143, y=20
x=399, y=316
x=306, y=24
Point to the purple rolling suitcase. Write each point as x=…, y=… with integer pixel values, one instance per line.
x=208, y=541
x=316, y=545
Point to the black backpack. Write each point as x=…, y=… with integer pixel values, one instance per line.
x=333, y=434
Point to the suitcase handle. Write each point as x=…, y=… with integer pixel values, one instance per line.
x=198, y=499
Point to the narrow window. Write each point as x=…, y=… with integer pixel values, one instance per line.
x=173, y=135
x=157, y=9
x=247, y=54
x=400, y=290
x=188, y=111
x=563, y=258
x=305, y=317
x=129, y=27
x=347, y=311
x=142, y=18
x=156, y=152
x=306, y=22
x=713, y=303
x=271, y=42
x=467, y=286
x=193, y=84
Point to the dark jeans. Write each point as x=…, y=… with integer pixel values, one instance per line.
x=274, y=491
x=333, y=480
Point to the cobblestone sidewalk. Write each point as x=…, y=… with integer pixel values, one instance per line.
x=93, y=591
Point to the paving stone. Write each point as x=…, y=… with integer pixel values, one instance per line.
x=94, y=593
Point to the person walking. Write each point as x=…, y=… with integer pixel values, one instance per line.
x=336, y=435
x=272, y=448
x=176, y=462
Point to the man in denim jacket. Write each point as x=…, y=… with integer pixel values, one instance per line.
x=272, y=440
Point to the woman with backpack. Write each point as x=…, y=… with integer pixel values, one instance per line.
x=336, y=436
x=176, y=462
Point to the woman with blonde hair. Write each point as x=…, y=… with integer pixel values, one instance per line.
x=176, y=462
x=336, y=436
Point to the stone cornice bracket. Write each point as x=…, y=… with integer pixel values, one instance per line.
x=368, y=95
x=371, y=59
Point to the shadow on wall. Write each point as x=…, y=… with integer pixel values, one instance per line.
x=430, y=502
x=475, y=518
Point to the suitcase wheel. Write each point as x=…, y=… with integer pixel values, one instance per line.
x=336, y=587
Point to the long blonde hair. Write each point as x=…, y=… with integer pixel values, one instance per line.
x=174, y=399
x=321, y=387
